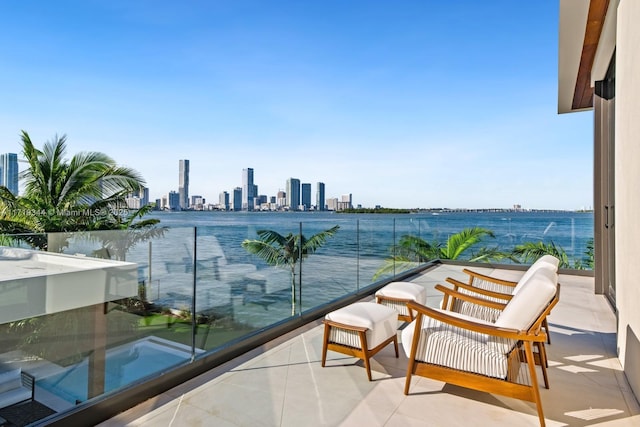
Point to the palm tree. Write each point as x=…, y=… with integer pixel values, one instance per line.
x=60, y=195
x=412, y=249
x=286, y=251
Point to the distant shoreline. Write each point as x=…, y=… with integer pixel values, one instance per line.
x=397, y=211
x=447, y=210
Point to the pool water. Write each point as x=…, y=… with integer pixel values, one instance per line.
x=124, y=365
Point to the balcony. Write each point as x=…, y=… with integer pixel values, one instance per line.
x=92, y=361
x=282, y=383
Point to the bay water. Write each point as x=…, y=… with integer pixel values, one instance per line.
x=202, y=252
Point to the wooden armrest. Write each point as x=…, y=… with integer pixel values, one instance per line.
x=470, y=298
x=477, y=290
x=464, y=323
x=489, y=278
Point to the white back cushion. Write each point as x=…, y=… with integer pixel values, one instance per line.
x=548, y=262
x=529, y=302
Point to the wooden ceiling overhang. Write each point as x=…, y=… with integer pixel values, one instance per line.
x=583, y=91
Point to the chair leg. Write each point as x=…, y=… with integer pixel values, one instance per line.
x=325, y=343
x=534, y=383
x=407, y=382
x=395, y=345
x=545, y=325
x=544, y=363
x=365, y=353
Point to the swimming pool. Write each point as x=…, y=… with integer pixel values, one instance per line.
x=124, y=365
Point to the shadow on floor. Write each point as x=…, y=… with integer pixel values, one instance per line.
x=23, y=414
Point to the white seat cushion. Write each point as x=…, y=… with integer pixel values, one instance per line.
x=456, y=348
x=380, y=321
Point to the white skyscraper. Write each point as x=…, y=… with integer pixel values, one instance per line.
x=183, y=184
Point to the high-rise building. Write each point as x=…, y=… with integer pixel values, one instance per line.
x=183, y=184
x=332, y=204
x=173, y=200
x=144, y=196
x=346, y=202
x=237, y=199
x=138, y=199
x=260, y=200
x=9, y=172
x=306, y=196
x=320, y=204
x=281, y=199
x=133, y=202
x=197, y=203
x=293, y=193
x=223, y=201
x=248, y=189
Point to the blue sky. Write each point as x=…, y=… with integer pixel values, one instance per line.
x=401, y=103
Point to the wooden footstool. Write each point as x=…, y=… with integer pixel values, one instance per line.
x=361, y=329
x=397, y=294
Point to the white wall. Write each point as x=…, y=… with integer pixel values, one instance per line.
x=627, y=193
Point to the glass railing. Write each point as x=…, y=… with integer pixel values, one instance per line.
x=116, y=307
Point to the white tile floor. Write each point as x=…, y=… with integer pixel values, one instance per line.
x=283, y=384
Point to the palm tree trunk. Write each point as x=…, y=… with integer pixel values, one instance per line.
x=293, y=290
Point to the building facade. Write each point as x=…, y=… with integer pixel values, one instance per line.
x=173, y=201
x=320, y=200
x=306, y=196
x=248, y=189
x=293, y=194
x=281, y=199
x=198, y=202
x=223, y=201
x=599, y=61
x=138, y=199
x=346, y=202
x=237, y=199
x=9, y=172
x=183, y=183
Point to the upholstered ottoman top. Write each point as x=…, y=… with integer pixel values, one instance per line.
x=404, y=290
x=380, y=321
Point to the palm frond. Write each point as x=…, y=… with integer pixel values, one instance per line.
x=459, y=242
x=415, y=248
x=529, y=252
x=270, y=254
x=312, y=244
x=394, y=265
x=488, y=254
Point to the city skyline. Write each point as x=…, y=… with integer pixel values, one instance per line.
x=372, y=98
x=298, y=195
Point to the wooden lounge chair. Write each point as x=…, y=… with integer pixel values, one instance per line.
x=488, y=306
x=495, y=289
x=492, y=357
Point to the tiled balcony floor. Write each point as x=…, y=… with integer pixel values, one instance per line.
x=283, y=384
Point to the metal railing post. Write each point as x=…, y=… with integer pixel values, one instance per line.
x=357, y=254
x=193, y=296
x=300, y=271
